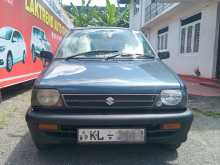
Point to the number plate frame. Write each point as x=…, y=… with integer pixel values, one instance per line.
x=130, y=130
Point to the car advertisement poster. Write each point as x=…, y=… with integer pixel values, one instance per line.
x=26, y=28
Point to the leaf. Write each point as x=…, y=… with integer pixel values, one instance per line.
x=86, y=15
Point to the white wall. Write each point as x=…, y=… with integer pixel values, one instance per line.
x=205, y=59
x=134, y=19
x=137, y=21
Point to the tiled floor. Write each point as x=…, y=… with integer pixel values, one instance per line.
x=195, y=88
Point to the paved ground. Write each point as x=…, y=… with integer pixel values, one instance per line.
x=16, y=147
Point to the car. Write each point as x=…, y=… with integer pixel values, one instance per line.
x=12, y=48
x=39, y=42
x=108, y=86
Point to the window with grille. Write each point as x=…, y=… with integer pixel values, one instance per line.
x=189, y=39
x=183, y=37
x=163, y=39
x=190, y=34
x=196, y=37
x=154, y=8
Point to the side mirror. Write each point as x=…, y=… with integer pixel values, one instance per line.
x=47, y=56
x=164, y=55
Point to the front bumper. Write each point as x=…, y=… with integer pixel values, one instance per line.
x=2, y=63
x=68, y=125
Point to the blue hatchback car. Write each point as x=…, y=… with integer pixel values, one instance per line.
x=108, y=86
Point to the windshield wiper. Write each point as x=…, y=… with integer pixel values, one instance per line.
x=129, y=55
x=94, y=52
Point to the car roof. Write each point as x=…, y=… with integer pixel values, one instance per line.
x=105, y=28
x=37, y=27
x=11, y=28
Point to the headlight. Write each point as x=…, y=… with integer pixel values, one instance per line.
x=46, y=98
x=171, y=98
x=2, y=48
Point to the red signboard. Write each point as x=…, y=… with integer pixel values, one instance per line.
x=26, y=28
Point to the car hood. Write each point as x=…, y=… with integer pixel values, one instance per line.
x=4, y=42
x=148, y=74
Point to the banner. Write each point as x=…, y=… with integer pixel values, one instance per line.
x=26, y=28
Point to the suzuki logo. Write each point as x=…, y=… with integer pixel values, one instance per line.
x=110, y=101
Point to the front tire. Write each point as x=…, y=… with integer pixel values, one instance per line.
x=24, y=57
x=9, y=62
x=34, y=57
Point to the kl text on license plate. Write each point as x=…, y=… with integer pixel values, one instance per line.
x=111, y=135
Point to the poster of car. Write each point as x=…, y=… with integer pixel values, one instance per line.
x=26, y=28
x=12, y=48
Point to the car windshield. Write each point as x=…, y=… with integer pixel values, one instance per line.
x=106, y=42
x=5, y=33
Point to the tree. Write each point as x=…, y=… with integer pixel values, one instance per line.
x=111, y=15
x=82, y=16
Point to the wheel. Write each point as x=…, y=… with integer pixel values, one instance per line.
x=43, y=62
x=9, y=62
x=171, y=146
x=34, y=57
x=24, y=57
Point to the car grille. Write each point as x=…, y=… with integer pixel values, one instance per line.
x=109, y=101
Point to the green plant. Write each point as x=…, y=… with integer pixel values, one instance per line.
x=112, y=16
x=207, y=113
x=82, y=16
x=86, y=15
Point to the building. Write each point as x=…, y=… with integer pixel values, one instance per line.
x=56, y=7
x=188, y=29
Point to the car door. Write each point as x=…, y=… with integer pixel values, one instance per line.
x=21, y=46
x=15, y=46
x=38, y=40
x=34, y=39
x=45, y=42
x=41, y=38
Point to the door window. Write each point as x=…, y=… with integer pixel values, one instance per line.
x=15, y=36
x=20, y=38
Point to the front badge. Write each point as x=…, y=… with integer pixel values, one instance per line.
x=110, y=101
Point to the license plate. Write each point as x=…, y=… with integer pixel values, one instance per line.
x=111, y=136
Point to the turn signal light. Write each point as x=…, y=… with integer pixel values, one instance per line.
x=170, y=126
x=48, y=127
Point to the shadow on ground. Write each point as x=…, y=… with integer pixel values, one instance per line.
x=15, y=90
x=90, y=155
